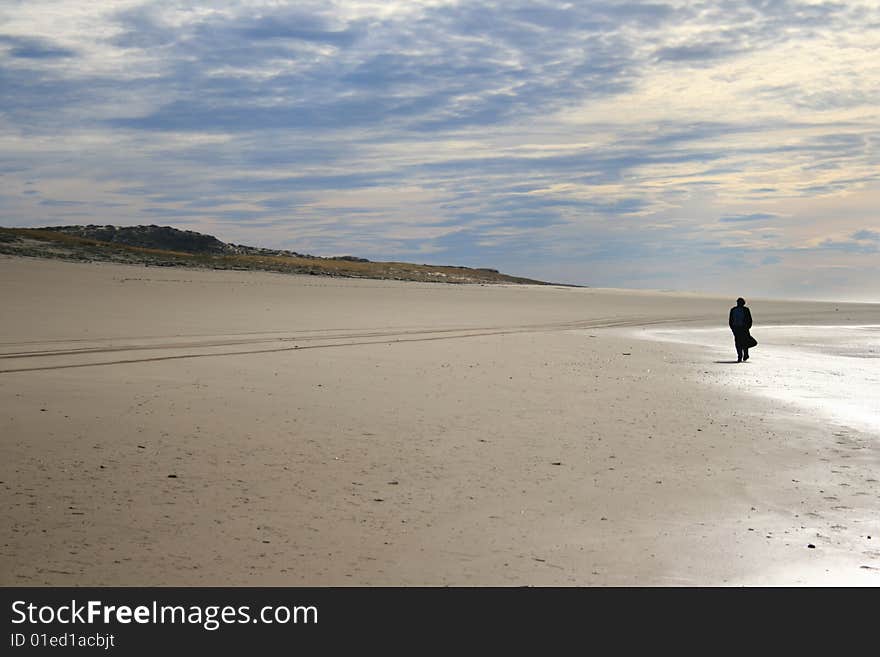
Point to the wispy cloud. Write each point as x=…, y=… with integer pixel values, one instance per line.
x=755, y=216
x=21, y=47
x=867, y=235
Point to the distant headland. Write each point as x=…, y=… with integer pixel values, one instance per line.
x=165, y=246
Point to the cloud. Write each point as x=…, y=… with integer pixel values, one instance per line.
x=848, y=246
x=703, y=53
x=451, y=68
x=624, y=133
x=34, y=48
x=755, y=216
x=60, y=203
x=866, y=235
x=298, y=27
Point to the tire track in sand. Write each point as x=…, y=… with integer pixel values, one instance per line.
x=349, y=340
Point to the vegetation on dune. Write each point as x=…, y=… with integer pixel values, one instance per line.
x=73, y=243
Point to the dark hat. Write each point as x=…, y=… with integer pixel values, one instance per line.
x=740, y=302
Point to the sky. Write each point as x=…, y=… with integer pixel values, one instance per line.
x=727, y=147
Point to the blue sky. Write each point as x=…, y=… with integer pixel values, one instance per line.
x=713, y=146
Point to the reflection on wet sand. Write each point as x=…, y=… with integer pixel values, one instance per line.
x=830, y=370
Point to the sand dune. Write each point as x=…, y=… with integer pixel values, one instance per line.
x=178, y=427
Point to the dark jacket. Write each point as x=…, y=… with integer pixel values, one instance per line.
x=740, y=321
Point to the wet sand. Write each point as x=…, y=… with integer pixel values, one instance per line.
x=831, y=371
x=174, y=427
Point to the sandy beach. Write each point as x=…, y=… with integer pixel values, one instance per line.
x=161, y=426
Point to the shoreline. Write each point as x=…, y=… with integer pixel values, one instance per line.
x=813, y=483
x=420, y=435
x=825, y=369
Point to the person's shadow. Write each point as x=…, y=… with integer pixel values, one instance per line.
x=728, y=362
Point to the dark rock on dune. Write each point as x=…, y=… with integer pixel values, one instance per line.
x=148, y=237
x=348, y=258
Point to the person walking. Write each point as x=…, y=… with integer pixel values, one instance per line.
x=740, y=322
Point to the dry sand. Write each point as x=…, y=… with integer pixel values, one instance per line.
x=177, y=427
